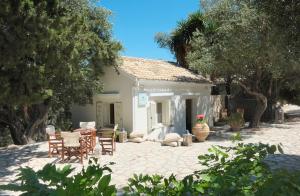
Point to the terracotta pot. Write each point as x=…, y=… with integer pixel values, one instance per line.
x=235, y=127
x=201, y=131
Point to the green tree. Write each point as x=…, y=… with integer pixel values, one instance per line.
x=246, y=46
x=285, y=18
x=51, y=56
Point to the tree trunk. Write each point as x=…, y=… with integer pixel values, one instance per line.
x=18, y=136
x=228, y=91
x=25, y=128
x=261, y=105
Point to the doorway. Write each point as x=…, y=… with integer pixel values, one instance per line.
x=112, y=113
x=188, y=114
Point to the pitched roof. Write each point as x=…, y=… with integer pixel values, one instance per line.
x=149, y=69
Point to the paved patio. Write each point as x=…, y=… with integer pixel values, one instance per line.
x=151, y=157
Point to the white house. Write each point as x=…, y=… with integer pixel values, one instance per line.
x=146, y=95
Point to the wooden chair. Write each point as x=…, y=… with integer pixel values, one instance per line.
x=90, y=138
x=89, y=126
x=107, y=140
x=54, y=141
x=74, y=145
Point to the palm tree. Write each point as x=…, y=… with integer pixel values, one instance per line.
x=178, y=41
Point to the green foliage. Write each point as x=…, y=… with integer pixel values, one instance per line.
x=281, y=183
x=237, y=170
x=155, y=185
x=94, y=180
x=52, y=47
x=248, y=46
x=52, y=55
x=236, y=120
x=178, y=41
x=236, y=43
x=234, y=170
x=286, y=17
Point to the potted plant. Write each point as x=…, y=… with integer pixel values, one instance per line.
x=236, y=121
x=201, y=129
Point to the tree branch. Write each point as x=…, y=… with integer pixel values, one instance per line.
x=253, y=93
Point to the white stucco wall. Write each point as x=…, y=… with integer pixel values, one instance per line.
x=135, y=117
x=177, y=92
x=113, y=82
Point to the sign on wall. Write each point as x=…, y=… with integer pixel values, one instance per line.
x=142, y=99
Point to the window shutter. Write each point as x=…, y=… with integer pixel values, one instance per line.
x=99, y=116
x=118, y=114
x=166, y=112
x=172, y=112
x=153, y=114
x=105, y=114
x=169, y=112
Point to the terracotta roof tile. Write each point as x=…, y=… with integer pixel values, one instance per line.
x=149, y=69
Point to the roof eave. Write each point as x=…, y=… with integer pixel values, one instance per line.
x=176, y=81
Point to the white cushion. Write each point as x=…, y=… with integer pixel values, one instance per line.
x=173, y=144
x=71, y=139
x=172, y=137
x=87, y=125
x=50, y=129
x=136, y=134
x=136, y=140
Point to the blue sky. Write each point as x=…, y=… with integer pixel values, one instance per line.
x=135, y=23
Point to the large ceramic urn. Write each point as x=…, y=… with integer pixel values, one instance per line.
x=201, y=131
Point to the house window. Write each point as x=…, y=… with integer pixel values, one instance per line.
x=159, y=112
x=112, y=113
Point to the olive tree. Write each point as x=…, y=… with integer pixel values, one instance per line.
x=51, y=56
x=245, y=46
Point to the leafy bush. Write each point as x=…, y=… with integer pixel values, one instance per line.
x=94, y=180
x=234, y=170
x=236, y=121
x=154, y=185
x=237, y=170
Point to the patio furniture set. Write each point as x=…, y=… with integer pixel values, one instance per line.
x=80, y=142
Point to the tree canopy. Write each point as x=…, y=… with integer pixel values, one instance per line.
x=51, y=55
x=248, y=45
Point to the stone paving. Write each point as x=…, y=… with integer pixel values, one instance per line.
x=151, y=157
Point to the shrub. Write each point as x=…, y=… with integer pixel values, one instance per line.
x=236, y=121
x=154, y=185
x=234, y=170
x=94, y=180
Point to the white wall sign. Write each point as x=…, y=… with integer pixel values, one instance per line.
x=142, y=99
